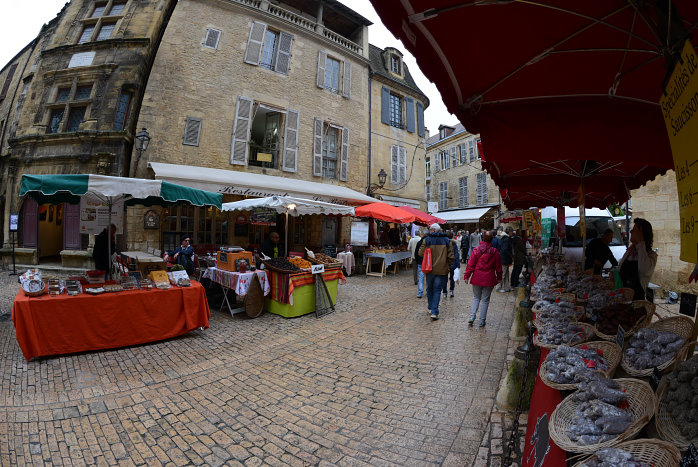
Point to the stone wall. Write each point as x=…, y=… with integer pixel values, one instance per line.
x=657, y=202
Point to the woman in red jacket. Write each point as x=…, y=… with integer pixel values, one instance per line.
x=484, y=271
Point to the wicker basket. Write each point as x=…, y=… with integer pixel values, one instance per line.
x=578, y=316
x=641, y=323
x=254, y=300
x=650, y=451
x=335, y=265
x=282, y=271
x=641, y=406
x=611, y=352
x=37, y=293
x=588, y=335
x=680, y=325
x=627, y=294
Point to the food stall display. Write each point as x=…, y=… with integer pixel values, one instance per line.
x=384, y=258
x=252, y=286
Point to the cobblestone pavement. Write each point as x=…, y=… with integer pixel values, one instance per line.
x=376, y=383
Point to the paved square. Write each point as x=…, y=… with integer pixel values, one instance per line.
x=376, y=383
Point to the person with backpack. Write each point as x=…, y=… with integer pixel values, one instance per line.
x=441, y=254
x=484, y=271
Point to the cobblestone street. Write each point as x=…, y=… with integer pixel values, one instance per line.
x=378, y=382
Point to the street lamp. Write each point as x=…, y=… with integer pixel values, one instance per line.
x=382, y=175
x=142, y=141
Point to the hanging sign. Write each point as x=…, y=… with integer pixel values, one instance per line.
x=679, y=106
x=94, y=215
x=263, y=216
x=433, y=206
x=547, y=227
x=14, y=222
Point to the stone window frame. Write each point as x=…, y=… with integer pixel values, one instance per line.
x=395, y=64
x=427, y=168
x=97, y=22
x=66, y=105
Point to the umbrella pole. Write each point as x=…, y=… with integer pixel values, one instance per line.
x=109, y=205
x=583, y=223
x=286, y=235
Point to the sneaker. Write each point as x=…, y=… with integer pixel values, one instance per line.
x=501, y=290
x=419, y=296
x=470, y=322
x=434, y=316
x=482, y=323
x=451, y=295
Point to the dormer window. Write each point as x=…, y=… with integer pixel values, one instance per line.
x=442, y=133
x=395, y=64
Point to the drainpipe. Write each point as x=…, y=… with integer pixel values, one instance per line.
x=368, y=183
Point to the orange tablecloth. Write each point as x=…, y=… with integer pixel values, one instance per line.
x=64, y=324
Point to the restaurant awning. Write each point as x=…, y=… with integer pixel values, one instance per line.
x=256, y=185
x=463, y=215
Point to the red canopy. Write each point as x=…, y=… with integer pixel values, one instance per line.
x=551, y=83
x=422, y=217
x=384, y=212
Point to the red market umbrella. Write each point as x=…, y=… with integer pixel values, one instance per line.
x=384, y=212
x=422, y=217
x=551, y=84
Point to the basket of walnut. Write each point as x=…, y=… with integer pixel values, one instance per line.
x=328, y=261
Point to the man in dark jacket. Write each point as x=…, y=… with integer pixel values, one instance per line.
x=100, y=252
x=598, y=253
x=464, y=246
x=418, y=260
x=507, y=254
x=442, y=258
x=454, y=265
x=519, y=259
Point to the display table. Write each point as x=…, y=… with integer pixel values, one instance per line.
x=385, y=260
x=241, y=284
x=348, y=261
x=54, y=325
x=142, y=256
x=293, y=295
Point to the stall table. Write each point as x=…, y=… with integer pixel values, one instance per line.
x=386, y=259
x=293, y=295
x=62, y=324
x=253, y=286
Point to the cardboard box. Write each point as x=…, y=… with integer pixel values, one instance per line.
x=146, y=267
x=226, y=261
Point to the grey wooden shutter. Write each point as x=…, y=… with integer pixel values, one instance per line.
x=479, y=189
x=212, y=37
x=420, y=119
x=346, y=82
x=255, y=43
x=454, y=157
x=71, y=227
x=192, y=130
x=402, y=164
x=385, y=105
x=317, y=147
x=283, y=54
x=409, y=104
x=290, y=160
x=321, y=64
x=241, y=131
x=394, y=165
x=436, y=162
x=484, y=188
x=344, y=163
x=471, y=150
x=463, y=154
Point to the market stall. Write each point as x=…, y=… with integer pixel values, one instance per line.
x=60, y=324
x=251, y=286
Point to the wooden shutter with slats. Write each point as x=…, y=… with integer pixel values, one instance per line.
x=344, y=162
x=402, y=164
x=394, y=164
x=420, y=119
x=192, y=131
x=241, y=131
x=212, y=37
x=317, y=147
x=321, y=64
x=290, y=158
x=385, y=105
x=409, y=105
x=346, y=81
x=71, y=227
x=283, y=54
x=255, y=43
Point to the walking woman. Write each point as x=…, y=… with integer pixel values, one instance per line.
x=484, y=271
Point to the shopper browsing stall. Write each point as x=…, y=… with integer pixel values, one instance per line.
x=484, y=271
x=638, y=263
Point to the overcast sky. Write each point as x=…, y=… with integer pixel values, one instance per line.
x=21, y=21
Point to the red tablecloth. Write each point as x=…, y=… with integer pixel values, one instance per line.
x=64, y=324
x=282, y=285
x=540, y=450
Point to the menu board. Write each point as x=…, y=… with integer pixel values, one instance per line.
x=359, y=233
x=263, y=216
x=94, y=215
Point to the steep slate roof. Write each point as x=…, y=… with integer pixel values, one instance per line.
x=434, y=139
x=377, y=66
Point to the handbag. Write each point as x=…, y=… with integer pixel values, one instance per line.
x=426, y=261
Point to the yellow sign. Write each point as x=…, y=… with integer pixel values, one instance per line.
x=263, y=157
x=679, y=107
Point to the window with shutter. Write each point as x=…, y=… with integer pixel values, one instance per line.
x=290, y=161
x=321, y=65
x=482, y=188
x=463, y=192
x=396, y=111
x=385, y=105
x=394, y=165
x=454, y=157
x=192, y=130
x=282, y=62
x=332, y=75
x=420, y=119
x=463, y=153
x=427, y=168
x=255, y=43
x=402, y=161
x=346, y=81
x=443, y=195
x=330, y=150
x=317, y=147
x=241, y=131
x=409, y=114
x=471, y=150
x=344, y=163
x=212, y=38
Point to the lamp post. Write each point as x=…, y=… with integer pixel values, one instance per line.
x=382, y=175
x=142, y=141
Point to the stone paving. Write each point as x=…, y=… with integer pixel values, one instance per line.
x=376, y=383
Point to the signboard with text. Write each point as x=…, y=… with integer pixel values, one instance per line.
x=679, y=106
x=94, y=215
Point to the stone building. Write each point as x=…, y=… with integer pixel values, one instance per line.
x=397, y=138
x=70, y=107
x=658, y=202
x=466, y=196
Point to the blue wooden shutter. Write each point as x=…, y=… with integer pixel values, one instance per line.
x=71, y=227
x=420, y=119
x=385, y=105
x=409, y=104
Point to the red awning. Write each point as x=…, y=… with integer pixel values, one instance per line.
x=557, y=83
x=384, y=212
x=422, y=217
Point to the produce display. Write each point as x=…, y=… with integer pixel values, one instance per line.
x=682, y=397
x=619, y=314
x=324, y=259
x=593, y=386
x=301, y=263
x=649, y=348
x=596, y=422
x=557, y=313
x=566, y=334
x=565, y=365
x=613, y=457
x=282, y=264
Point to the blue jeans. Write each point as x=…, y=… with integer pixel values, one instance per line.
x=420, y=280
x=450, y=280
x=515, y=273
x=481, y=299
x=434, y=285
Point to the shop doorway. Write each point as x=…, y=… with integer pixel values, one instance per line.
x=329, y=231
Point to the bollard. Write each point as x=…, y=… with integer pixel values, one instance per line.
x=518, y=327
x=515, y=393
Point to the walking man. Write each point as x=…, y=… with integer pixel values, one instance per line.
x=455, y=264
x=483, y=272
x=519, y=259
x=465, y=247
x=475, y=238
x=507, y=254
x=412, y=247
x=442, y=258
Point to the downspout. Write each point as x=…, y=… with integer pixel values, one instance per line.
x=368, y=175
x=146, y=76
